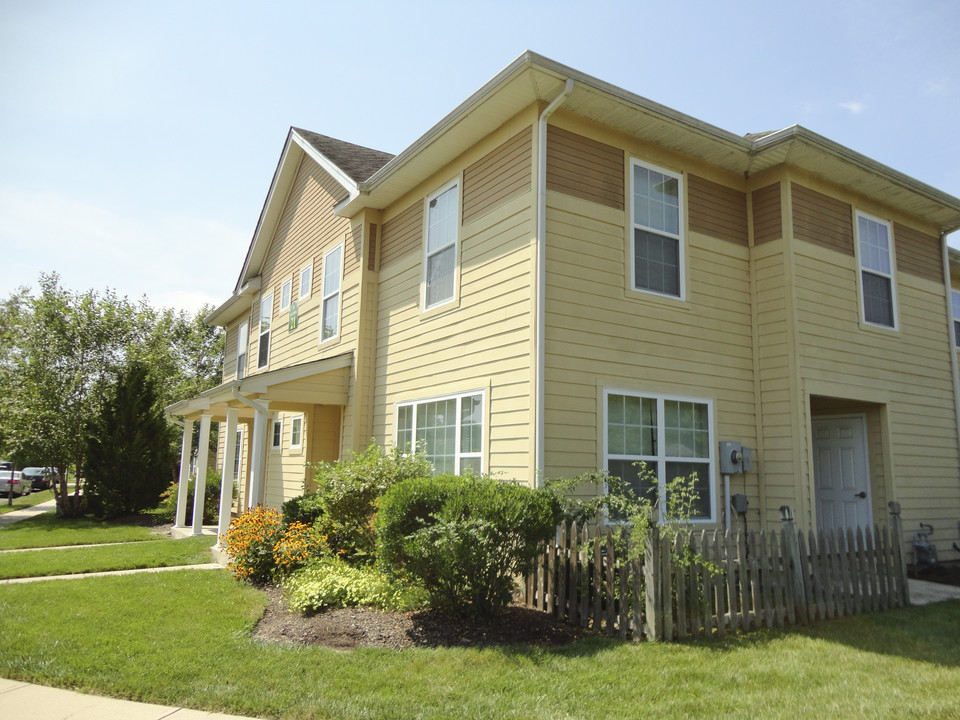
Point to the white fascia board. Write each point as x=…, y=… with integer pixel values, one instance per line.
x=324, y=162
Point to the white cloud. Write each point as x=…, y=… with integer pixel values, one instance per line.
x=175, y=261
x=854, y=107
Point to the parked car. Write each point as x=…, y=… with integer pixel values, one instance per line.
x=6, y=465
x=15, y=479
x=41, y=478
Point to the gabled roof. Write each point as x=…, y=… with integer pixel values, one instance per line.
x=356, y=161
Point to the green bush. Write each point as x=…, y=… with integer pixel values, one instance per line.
x=302, y=509
x=465, y=538
x=331, y=582
x=211, y=500
x=348, y=491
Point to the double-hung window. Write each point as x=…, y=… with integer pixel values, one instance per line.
x=877, y=291
x=276, y=434
x=955, y=305
x=266, y=317
x=285, y=294
x=449, y=430
x=672, y=436
x=656, y=244
x=237, y=455
x=440, y=261
x=242, y=340
x=306, y=277
x=330, y=314
x=296, y=432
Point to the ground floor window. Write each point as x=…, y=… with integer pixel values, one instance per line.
x=672, y=435
x=449, y=429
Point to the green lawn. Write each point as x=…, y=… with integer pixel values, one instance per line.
x=25, y=501
x=184, y=638
x=69, y=561
x=47, y=530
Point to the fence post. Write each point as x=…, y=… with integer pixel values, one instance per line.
x=896, y=529
x=791, y=560
x=652, y=572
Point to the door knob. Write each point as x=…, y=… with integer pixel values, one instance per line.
x=861, y=494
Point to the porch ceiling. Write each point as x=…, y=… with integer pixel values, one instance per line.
x=321, y=382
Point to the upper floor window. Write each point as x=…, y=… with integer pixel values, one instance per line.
x=330, y=313
x=306, y=277
x=672, y=435
x=955, y=304
x=448, y=429
x=266, y=317
x=656, y=247
x=440, y=262
x=877, y=290
x=242, y=342
x=285, y=293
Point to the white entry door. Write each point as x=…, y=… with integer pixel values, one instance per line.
x=841, y=472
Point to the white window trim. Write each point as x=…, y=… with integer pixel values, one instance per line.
x=458, y=456
x=861, y=269
x=661, y=459
x=325, y=296
x=243, y=349
x=268, y=300
x=455, y=183
x=681, y=237
x=293, y=422
x=286, y=287
x=238, y=454
x=301, y=295
x=276, y=441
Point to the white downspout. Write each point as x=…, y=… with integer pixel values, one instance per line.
x=542, y=272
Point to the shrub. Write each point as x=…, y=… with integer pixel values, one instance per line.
x=297, y=545
x=465, y=538
x=303, y=509
x=348, y=491
x=331, y=582
x=211, y=500
x=250, y=543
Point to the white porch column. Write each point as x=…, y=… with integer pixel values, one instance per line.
x=227, y=474
x=258, y=463
x=200, y=486
x=186, y=451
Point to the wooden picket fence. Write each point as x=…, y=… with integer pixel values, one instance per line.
x=706, y=584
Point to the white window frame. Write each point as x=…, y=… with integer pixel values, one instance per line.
x=296, y=432
x=238, y=455
x=303, y=291
x=659, y=460
x=330, y=293
x=286, y=294
x=459, y=456
x=955, y=316
x=265, y=301
x=243, y=346
x=454, y=243
x=679, y=236
x=878, y=272
x=276, y=438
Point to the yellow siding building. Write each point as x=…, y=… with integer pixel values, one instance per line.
x=562, y=276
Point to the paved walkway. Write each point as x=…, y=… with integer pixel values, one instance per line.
x=16, y=515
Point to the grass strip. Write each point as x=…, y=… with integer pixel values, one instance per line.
x=183, y=638
x=47, y=530
x=25, y=501
x=70, y=561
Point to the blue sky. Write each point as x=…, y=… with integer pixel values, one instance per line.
x=138, y=140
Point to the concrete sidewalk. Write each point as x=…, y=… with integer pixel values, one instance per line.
x=17, y=515
x=25, y=701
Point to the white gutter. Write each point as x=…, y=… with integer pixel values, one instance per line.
x=539, y=338
x=952, y=345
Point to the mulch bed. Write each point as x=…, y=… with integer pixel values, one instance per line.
x=348, y=628
x=947, y=573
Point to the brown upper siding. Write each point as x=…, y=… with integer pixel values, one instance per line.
x=717, y=210
x=584, y=168
x=918, y=254
x=401, y=234
x=501, y=174
x=767, y=216
x=822, y=220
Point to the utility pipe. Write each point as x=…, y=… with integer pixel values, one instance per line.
x=542, y=273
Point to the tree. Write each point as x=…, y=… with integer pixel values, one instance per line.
x=129, y=447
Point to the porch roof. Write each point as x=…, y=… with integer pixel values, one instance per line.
x=320, y=382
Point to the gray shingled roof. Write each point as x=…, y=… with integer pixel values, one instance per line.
x=358, y=162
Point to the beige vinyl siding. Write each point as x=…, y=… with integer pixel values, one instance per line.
x=908, y=371
x=822, y=220
x=286, y=469
x=482, y=343
x=502, y=174
x=917, y=253
x=767, y=214
x=230, y=353
x=717, y=210
x=585, y=168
